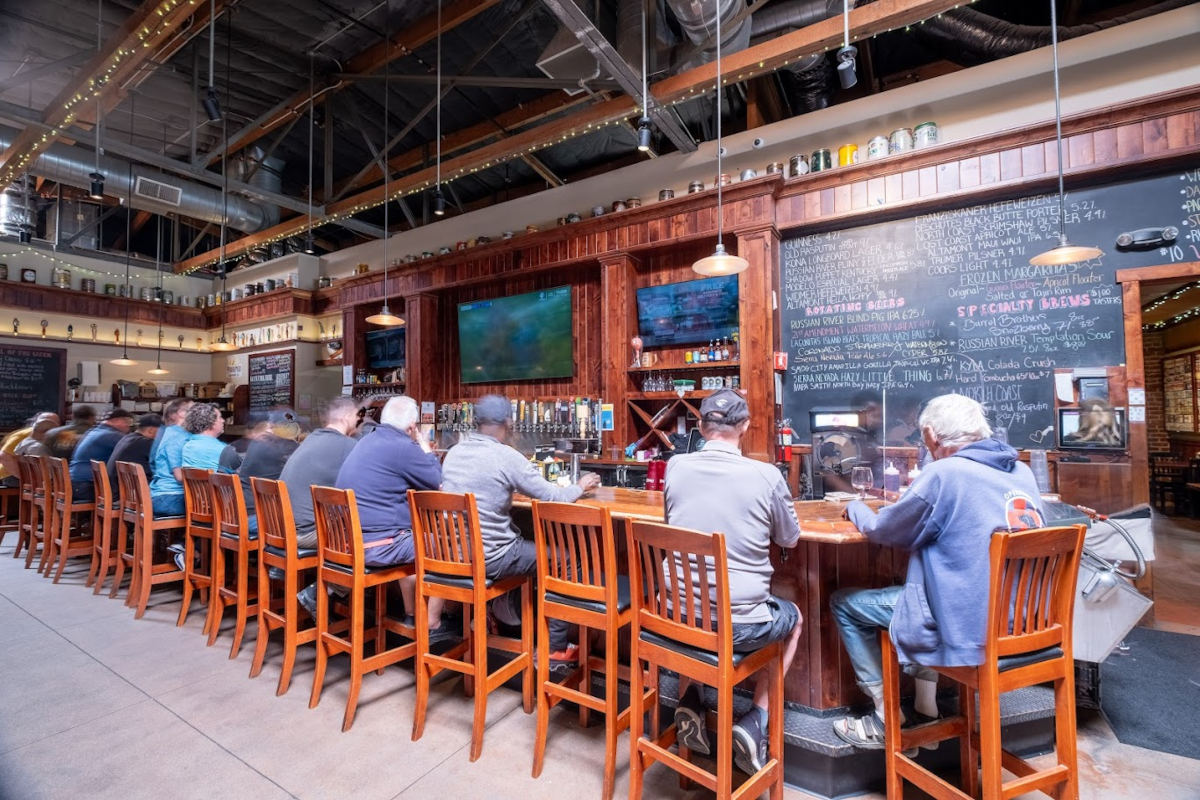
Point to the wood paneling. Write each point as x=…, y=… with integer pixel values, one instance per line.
x=277, y=304
x=89, y=304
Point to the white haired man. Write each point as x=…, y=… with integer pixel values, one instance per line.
x=945, y=520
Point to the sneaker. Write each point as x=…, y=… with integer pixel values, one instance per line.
x=568, y=656
x=691, y=729
x=181, y=562
x=307, y=598
x=275, y=574
x=749, y=743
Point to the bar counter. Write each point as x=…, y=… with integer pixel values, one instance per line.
x=831, y=554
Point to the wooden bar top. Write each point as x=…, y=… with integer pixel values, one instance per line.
x=820, y=521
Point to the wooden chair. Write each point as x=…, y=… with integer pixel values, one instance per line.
x=38, y=516
x=1168, y=479
x=229, y=513
x=1031, y=600
x=10, y=501
x=105, y=517
x=578, y=582
x=67, y=534
x=340, y=545
x=198, y=533
x=681, y=621
x=138, y=512
x=450, y=565
x=277, y=532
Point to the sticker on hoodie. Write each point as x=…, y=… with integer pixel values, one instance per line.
x=1021, y=512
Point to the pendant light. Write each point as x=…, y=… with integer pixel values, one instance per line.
x=720, y=262
x=212, y=106
x=125, y=360
x=848, y=53
x=158, y=367
x=644, y=130
x=1064, y=252
x=439, y=200
x=385, y=316
x=222, y=345
x=96, y=192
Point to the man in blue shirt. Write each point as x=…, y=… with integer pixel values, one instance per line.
x=166, y=489
x=203, y=448
x=96, y=445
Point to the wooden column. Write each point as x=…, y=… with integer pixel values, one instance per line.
x=760, y=247
x=422, y=379
x=1135, y=378
x=618, y=292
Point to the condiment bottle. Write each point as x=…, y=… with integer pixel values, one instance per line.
x=891, y=478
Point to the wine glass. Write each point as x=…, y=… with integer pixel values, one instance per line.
x=861, y=479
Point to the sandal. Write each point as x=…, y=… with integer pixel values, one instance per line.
x=865, y=732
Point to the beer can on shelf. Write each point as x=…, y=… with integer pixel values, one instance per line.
x=695, y=186
x=88, y=285
x=775, y=167
x=925, y=135
x=847, y=155
x=633, y=202
x=60, y=278
x=110, y=289
x=900, y=141
x=821, y=160
x=877, y=147
x=798, y=165
x=666, y=194
x=168, y=296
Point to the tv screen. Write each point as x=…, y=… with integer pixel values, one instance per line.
x=385, y=349
x=522, y=337
x=689, y=312
x=1091, y=428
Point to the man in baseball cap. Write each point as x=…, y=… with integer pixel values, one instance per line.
x=719, y=489
x=96, y=445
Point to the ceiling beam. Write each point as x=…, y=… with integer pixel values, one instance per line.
x=484, y=81
x=865, y=21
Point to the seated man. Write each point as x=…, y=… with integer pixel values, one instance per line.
x=381, y=469
x=719, y=489
x=484, y=464
x=316, y=462
x=134, y=447
x=203, y=448
x=61, y=441
x=945, y=520
x=25, y=441
x=265, y=457
x=96, y=445
x=166, y=487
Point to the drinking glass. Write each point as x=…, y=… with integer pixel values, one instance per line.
x=861, y=479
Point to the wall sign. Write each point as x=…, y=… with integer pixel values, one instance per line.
x=272, y=380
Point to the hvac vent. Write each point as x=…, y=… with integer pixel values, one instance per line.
x=155, y=190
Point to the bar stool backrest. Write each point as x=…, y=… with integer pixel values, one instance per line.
x=339, y=535
x=58, y=480
x=229, y=505
x=276, y=525
x=198, y=496
x=677, y=585
x=576, y=554
x=37, y=475
x=104, y=496
x=135, y=492
x=446, y=534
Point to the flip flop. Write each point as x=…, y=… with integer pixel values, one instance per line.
x=865, y=732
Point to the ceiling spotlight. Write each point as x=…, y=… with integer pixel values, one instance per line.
x=212, y=106
x=845, y=68
x=439, y=203
x=25, y=234
x=97, y=190
x=643, y=134
x=310, y=246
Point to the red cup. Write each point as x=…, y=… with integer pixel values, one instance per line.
x=655, y=471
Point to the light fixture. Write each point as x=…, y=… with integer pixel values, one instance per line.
x=644, y=134
x=24, y=235
x=158, y=367
x=212, y=106
x=439, y=200
x=310, y=246
x=439, y=203
x=720, y=262
x=125, y=360
x=385, y=316
x=848, y=53
x=97, y=190
x=1064, y=252
x=644, y=131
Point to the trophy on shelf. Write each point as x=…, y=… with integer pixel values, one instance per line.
x=139, y=337
x=16, y=327
x=637, y=352
x=180, y=340
x=117, y=336
x=44, y=325
x=93, y=331
x=199, y=342
x=70, y=332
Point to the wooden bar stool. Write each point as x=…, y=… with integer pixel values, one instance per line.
x=277, y=531
x=28, y=511
x=450, y=565
x=578, y=582
x=340, y=542
x=10, y=500
x=1031, y=600
x=38, y=517
x=138, y=511
x=198, y=533
x=105, y=517
x=67, y=536
x=229, y=515
x=679, y=624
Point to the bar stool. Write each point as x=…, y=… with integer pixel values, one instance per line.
x=340, y=542
x=1031, y=600
x=198, y=533
x=229, y=519
x=67, y=539
x=578, y=582
x=10, y=501
x=277, y=532
x=138, y=511
x=450, y=565
x=38, y=517
x=27, y=509
x=104, y=516
x=688, y=629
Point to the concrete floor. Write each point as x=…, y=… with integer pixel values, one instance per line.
x=96, y=704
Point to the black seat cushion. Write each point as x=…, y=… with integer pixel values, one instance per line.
x=281, y=553
x=454, y=580
x=699, y=654
x=348, y=571
x=1025, y=659
x=252, y=537
x=594, y=605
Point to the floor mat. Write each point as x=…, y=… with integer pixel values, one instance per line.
x=1151, y=692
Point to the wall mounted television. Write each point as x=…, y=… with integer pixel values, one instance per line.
x=690, y=312
x=386, y=349
x=1091, y=429
x=520, y=337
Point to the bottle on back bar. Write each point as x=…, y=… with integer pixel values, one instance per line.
x=724, y=349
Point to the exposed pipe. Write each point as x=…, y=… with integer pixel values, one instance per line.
x=695, y=18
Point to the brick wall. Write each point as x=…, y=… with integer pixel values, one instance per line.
x=1153, y=348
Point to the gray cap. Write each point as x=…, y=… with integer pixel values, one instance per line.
x=492, y=409
x=724, y=406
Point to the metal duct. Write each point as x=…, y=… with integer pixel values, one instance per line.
x=152, y=190
x=697, y=19
x=775, y=17
x=810, y=81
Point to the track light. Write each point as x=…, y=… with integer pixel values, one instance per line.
x=212, y=106
x=845, y=68
x=97, y=190
x=25, y=235
x=439, y=203
x=309, y=244
x=644, y=134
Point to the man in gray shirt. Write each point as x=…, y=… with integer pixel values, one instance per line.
x=719, y=489
x=484, y=464
x=316, y=463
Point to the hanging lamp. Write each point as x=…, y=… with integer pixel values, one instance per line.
x=96, y=192
x=720, y=262
x=125, y=360
x=1064, y=252
x=385, y=317
x=439, y=200
x=222, y=345
x=644, y=130
x=158, y=367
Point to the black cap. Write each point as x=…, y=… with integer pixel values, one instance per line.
x=724, y=406
x=492, y=409
x=116, y=413
x=149, y=421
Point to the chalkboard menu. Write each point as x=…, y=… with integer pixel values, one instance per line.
x=32, y=379
x=949, y=302
x=272, y=380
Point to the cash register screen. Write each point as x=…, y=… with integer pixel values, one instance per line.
x=834, y=419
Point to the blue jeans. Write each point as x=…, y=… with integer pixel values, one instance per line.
x=860, y=614
x=168, y=505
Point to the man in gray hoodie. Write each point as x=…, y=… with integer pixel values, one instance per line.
x=945, y=520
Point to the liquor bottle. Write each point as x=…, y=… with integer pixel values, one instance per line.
x=724, y=349
x=712, y=355
x=687, y=357
x=703, y=355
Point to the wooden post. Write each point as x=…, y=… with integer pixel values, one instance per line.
x=760, y=247
x=618, y=290
x=422, y=379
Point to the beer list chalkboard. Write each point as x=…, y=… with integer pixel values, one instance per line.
x=271, y=380
x=32, y=379
x=949, y=302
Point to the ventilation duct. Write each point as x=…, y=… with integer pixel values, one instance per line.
x=697, y=19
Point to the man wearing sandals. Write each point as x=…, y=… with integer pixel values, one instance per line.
x=945, y=520
x=719, y=489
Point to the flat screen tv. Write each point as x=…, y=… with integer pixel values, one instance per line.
x=1091, y=429
x=385, y=349
x=690, y=312
x=521, y=337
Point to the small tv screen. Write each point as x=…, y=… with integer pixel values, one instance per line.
x=385, y=349
x=690, y=312
x=521, y=337
x=1094, y=428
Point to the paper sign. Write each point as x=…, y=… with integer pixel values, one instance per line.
x=606, y=416
x=1137, y=413
x=1137, y=397
x=1064, y=388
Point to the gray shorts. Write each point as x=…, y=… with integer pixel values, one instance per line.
x=400, y=550
x=751, y=636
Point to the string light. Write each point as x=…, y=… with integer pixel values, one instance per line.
x=1171, y=296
